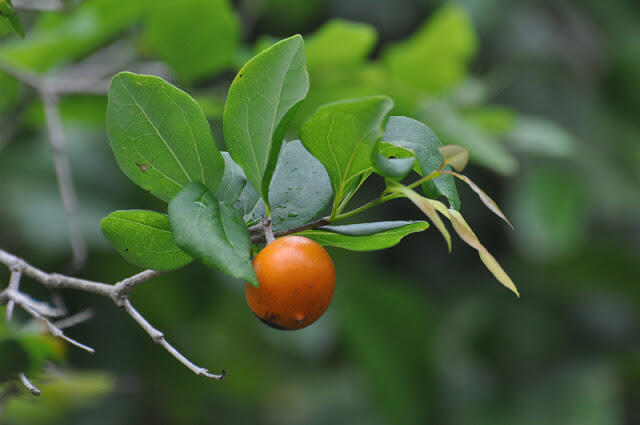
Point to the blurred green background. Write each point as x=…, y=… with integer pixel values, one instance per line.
x=544, y=94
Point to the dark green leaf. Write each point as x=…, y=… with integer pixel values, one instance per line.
x=262, y=101
x=144, y=238
x=209, y=44
x=160, y=137
x=211, y=231
x=342, y=135
x=365, y=236
x=419, y=139
x=299, y=192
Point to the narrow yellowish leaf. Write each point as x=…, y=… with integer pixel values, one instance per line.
x=486, y=200
x=455, y=155
x=497, y=270
x=427, y=207
x=466, y=234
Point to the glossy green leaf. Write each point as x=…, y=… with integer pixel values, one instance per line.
x=340, y=43
x=211, y=231
x=365, y=236
x=452, y=128
x=160, y=136
x=262, y=101
x=436, y=57
x=207, y=47
x=343, y=136
x=300, y=190
x=144, y=239
x=389, y=165
x=233, y=181
x=416, y=137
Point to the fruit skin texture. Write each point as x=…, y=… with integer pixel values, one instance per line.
x=297, y=280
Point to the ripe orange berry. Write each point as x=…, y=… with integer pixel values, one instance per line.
x=297, y=280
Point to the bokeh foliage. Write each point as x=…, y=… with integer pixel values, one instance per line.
x=413, y=336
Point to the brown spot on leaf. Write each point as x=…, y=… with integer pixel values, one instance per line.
x=143, y=167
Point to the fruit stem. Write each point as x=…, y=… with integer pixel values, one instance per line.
x=268, y=231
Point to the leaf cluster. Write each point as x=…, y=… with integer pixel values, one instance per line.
x=217, y=200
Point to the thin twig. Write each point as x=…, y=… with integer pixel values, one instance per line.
x=14, y=285
x=46, y=89
x=76, y=319
x=158, y=338
x=50, y=326
x=118, y=293
x=23, y=74
x=39, y=5
x=41, y=307
x=28, y=385
x=63, y=175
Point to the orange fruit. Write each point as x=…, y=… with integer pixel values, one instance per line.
x=297, y=280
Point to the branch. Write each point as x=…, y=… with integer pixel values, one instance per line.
x=47, y=92
x=28, y=385
x=65, y=180
x=19, y=299
x=118, y=293
x=80, y=317
x=258, y=231
x=14, y=284
x=39, y=5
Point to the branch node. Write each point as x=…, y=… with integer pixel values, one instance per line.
x=157, y=336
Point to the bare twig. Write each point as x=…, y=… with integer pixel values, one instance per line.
x=24, y=300
x=76, y=319
x=119, y=294
x=158, y=338
x=39, y=5
x=46, y=89
x=14, y=285
x=63, y=175
x=28, y=385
